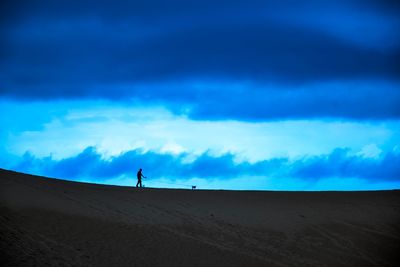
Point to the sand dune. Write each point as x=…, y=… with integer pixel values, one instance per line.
x=49, y=222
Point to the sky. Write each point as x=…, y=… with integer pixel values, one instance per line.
x=241, y=95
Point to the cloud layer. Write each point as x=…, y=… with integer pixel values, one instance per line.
x=90, y=165
x=234, y=60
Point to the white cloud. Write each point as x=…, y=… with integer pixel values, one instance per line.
x=370, y=151
x=172, y=148
x=114, y=128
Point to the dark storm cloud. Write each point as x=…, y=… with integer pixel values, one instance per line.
x=90, y=164
x=357, y=101
x=94, y=49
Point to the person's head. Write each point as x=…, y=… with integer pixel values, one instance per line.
x=140, y=169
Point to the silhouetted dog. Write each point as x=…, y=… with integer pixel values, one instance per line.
x=193, y=187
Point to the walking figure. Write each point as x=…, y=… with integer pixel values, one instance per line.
x=139, y=178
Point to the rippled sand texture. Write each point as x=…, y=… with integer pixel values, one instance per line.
x=49, y=222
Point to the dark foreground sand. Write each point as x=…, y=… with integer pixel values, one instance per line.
x=48, y=222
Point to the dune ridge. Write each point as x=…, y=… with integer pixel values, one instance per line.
x=53, y=222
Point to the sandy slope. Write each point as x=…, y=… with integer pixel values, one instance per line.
x=59, y=223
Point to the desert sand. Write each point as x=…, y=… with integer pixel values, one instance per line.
x=50, y=222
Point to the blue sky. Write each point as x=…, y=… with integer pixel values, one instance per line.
x=261, y=95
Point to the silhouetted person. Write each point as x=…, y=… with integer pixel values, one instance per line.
x=139, y=178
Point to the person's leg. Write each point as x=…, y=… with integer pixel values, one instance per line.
x=137, y=183
x=140, y=183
